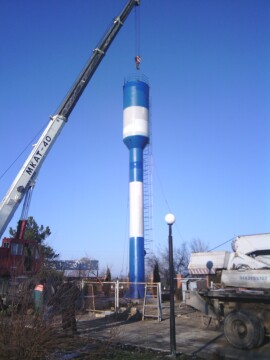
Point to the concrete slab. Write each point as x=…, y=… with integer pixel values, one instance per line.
x=191, y=337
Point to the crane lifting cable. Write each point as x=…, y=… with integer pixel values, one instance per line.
x=137, y=38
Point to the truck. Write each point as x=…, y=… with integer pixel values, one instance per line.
x=234, y=289
x=20, y=258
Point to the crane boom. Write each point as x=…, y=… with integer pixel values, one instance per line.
x=29, y=171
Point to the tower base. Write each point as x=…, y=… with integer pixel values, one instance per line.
x=135, y=291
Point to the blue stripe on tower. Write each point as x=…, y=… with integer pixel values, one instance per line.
x=135, y=164
x=136, y=258
x=136, y=136
x=136, y=93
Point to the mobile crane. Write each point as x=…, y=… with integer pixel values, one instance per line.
x=18, y=256
x=240, y=291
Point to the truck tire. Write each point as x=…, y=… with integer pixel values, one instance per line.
x=243, y=329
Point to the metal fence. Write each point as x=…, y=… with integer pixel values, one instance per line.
x=112, y=295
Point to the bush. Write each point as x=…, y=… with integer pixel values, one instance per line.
x=24, y=336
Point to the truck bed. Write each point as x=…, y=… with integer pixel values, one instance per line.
x=239, y=295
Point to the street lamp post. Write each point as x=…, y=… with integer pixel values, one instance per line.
x=170, y=219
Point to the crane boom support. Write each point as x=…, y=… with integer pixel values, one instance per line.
x=29, y=171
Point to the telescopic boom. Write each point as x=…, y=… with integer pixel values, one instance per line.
x=27, y=175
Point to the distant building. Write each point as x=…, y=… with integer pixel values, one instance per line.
x=76, y=268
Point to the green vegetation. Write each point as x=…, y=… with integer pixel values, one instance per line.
x=39, y=233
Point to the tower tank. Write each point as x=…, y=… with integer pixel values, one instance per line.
x=136, y=137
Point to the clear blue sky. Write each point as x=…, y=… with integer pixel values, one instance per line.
x=208, y=66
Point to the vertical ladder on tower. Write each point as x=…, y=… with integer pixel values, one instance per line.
x=152, y=301
x=148, y=196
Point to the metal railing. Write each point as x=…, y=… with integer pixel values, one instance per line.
x=108, y=295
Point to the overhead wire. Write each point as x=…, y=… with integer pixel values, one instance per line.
x=161, y=186
x=165, y=198
x=22, y=152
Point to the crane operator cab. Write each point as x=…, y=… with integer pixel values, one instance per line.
x=22, y=257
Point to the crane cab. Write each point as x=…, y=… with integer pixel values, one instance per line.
x=20, y=257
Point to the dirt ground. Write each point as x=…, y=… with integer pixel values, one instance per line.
x=193, y=337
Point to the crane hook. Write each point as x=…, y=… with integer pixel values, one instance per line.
x=138, y=61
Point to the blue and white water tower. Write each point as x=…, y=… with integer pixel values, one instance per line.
x=136, y=137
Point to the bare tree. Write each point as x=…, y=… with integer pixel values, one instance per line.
x=150, y=264
x=180, y=260
x=197, y=245
x=86, y=270
x=181, y=256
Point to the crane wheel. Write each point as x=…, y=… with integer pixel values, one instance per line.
x=243, y=329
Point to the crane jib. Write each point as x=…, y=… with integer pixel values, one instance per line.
x=99, y=52
x=43, y=146
x=28, y=173
x=38, y=155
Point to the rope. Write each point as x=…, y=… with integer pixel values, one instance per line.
x=137, y=37
x=230, y=240
x=137, y=30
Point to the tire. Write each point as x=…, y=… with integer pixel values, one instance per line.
x=243, y=330
x=262, y=335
